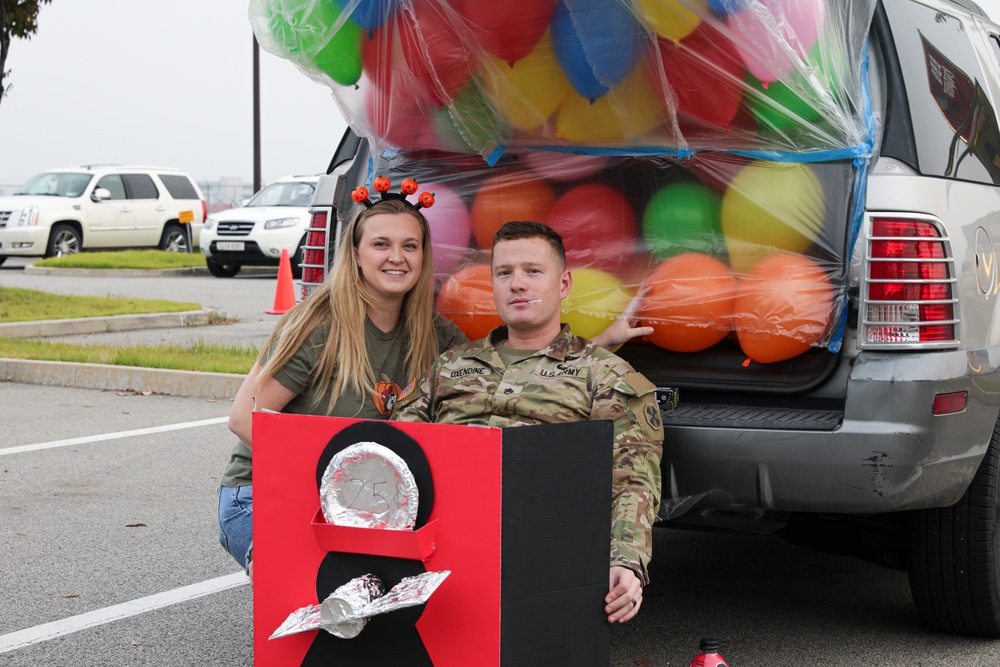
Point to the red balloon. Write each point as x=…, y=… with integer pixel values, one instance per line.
x=466, y=299
x=508, y=28
x=400, y=120
x=705, y=72
x=783, y=307
x=418, y=56
x=690, y=302
x=508, y=196
x=598, y=227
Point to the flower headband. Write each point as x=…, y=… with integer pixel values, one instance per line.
x=382, y=185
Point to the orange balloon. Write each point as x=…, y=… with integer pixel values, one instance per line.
x=690, y=302
x=783, y=307
x=514, y=195
x=466, y=299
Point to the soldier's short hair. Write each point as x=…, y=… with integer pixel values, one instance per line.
x=524, y=229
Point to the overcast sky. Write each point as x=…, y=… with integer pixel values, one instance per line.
x=155, y=82
x=165, y=83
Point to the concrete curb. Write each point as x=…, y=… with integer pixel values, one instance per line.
x=121, y=378
x=31, y=269
x=91, y=325
x=115, y=378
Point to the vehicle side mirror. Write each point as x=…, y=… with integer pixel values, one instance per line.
x=100, y=194
x=244, y=203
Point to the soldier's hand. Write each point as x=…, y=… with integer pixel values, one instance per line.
x=625, y=597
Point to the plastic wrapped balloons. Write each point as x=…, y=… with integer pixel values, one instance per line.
x=783, y=308
x=690, y=302
x=466, y=299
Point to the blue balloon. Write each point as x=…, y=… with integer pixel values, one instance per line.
x=596, y=43
x=723, y=7
x=369, y=14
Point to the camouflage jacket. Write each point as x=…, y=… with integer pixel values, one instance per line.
x=571, y=380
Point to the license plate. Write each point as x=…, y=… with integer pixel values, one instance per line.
x=230, y=245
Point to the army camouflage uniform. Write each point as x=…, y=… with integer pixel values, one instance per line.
x=571, y=380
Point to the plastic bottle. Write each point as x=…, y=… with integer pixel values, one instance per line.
x=708, y=655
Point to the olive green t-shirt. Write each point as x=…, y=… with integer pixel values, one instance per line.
x=387, y=359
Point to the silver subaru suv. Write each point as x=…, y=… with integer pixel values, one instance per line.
x=887, y=448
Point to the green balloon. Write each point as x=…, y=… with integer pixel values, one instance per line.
x=301, y=29
x=470, y=123
x=340, y=59
x=777, y=107
x=683, y=217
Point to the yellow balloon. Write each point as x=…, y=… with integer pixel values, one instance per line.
x=771, y=207
x=528, y=92
x=671, y=18
x=595, y=300
x=637, y=103
x=582, y=122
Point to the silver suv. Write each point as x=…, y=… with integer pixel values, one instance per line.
x=63, y=211
x=888, y=446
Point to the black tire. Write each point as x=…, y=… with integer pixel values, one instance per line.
x=222, y=270
x=953, y=556
x=174, y=238
x=63, y=240
x=297, y=259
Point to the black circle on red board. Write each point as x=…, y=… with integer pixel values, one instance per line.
x=402, y=444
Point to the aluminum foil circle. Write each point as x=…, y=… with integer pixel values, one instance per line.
x=367, y=485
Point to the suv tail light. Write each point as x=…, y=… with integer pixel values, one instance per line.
x=908, y=295
x=204, y=210
x=314, y=255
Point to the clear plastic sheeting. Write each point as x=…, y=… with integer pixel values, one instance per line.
x=704, y=160
x=724, y=251
x=626, y=77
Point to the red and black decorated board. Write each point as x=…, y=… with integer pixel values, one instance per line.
x=520, y=516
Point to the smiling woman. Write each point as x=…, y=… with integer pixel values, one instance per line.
x=352, y=349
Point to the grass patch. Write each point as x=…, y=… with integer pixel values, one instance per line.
x=125, y=259
x=27, y=305
x=202, y=357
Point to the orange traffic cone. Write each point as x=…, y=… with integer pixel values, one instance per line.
x=284, y=296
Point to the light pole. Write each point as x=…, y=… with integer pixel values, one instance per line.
x=256, y=115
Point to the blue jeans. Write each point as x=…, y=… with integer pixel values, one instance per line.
x=236, y=521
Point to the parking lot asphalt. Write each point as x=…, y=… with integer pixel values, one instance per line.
x=249, y=324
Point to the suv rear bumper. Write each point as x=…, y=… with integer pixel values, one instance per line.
x=888, y=453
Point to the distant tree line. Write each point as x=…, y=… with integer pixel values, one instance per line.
x=18, y=18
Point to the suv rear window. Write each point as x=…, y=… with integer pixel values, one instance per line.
x=948, y=92
x=179, y=187
x=140, y=186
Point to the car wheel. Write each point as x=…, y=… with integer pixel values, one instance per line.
x=953, y=556
x=222, y=270
x=63, y=240
x=297, y=260
x=174, y=239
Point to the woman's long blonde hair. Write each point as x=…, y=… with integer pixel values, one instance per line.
x=342, y=302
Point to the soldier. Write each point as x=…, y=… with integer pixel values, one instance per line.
x=535, y=371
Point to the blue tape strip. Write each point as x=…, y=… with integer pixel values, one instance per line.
x=857, y=202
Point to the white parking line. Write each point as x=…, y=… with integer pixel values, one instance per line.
x=112, y=436
x=47, y=631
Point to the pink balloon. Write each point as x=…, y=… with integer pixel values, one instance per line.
x=563, y=166
x=451, y=227
x=764, y=42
